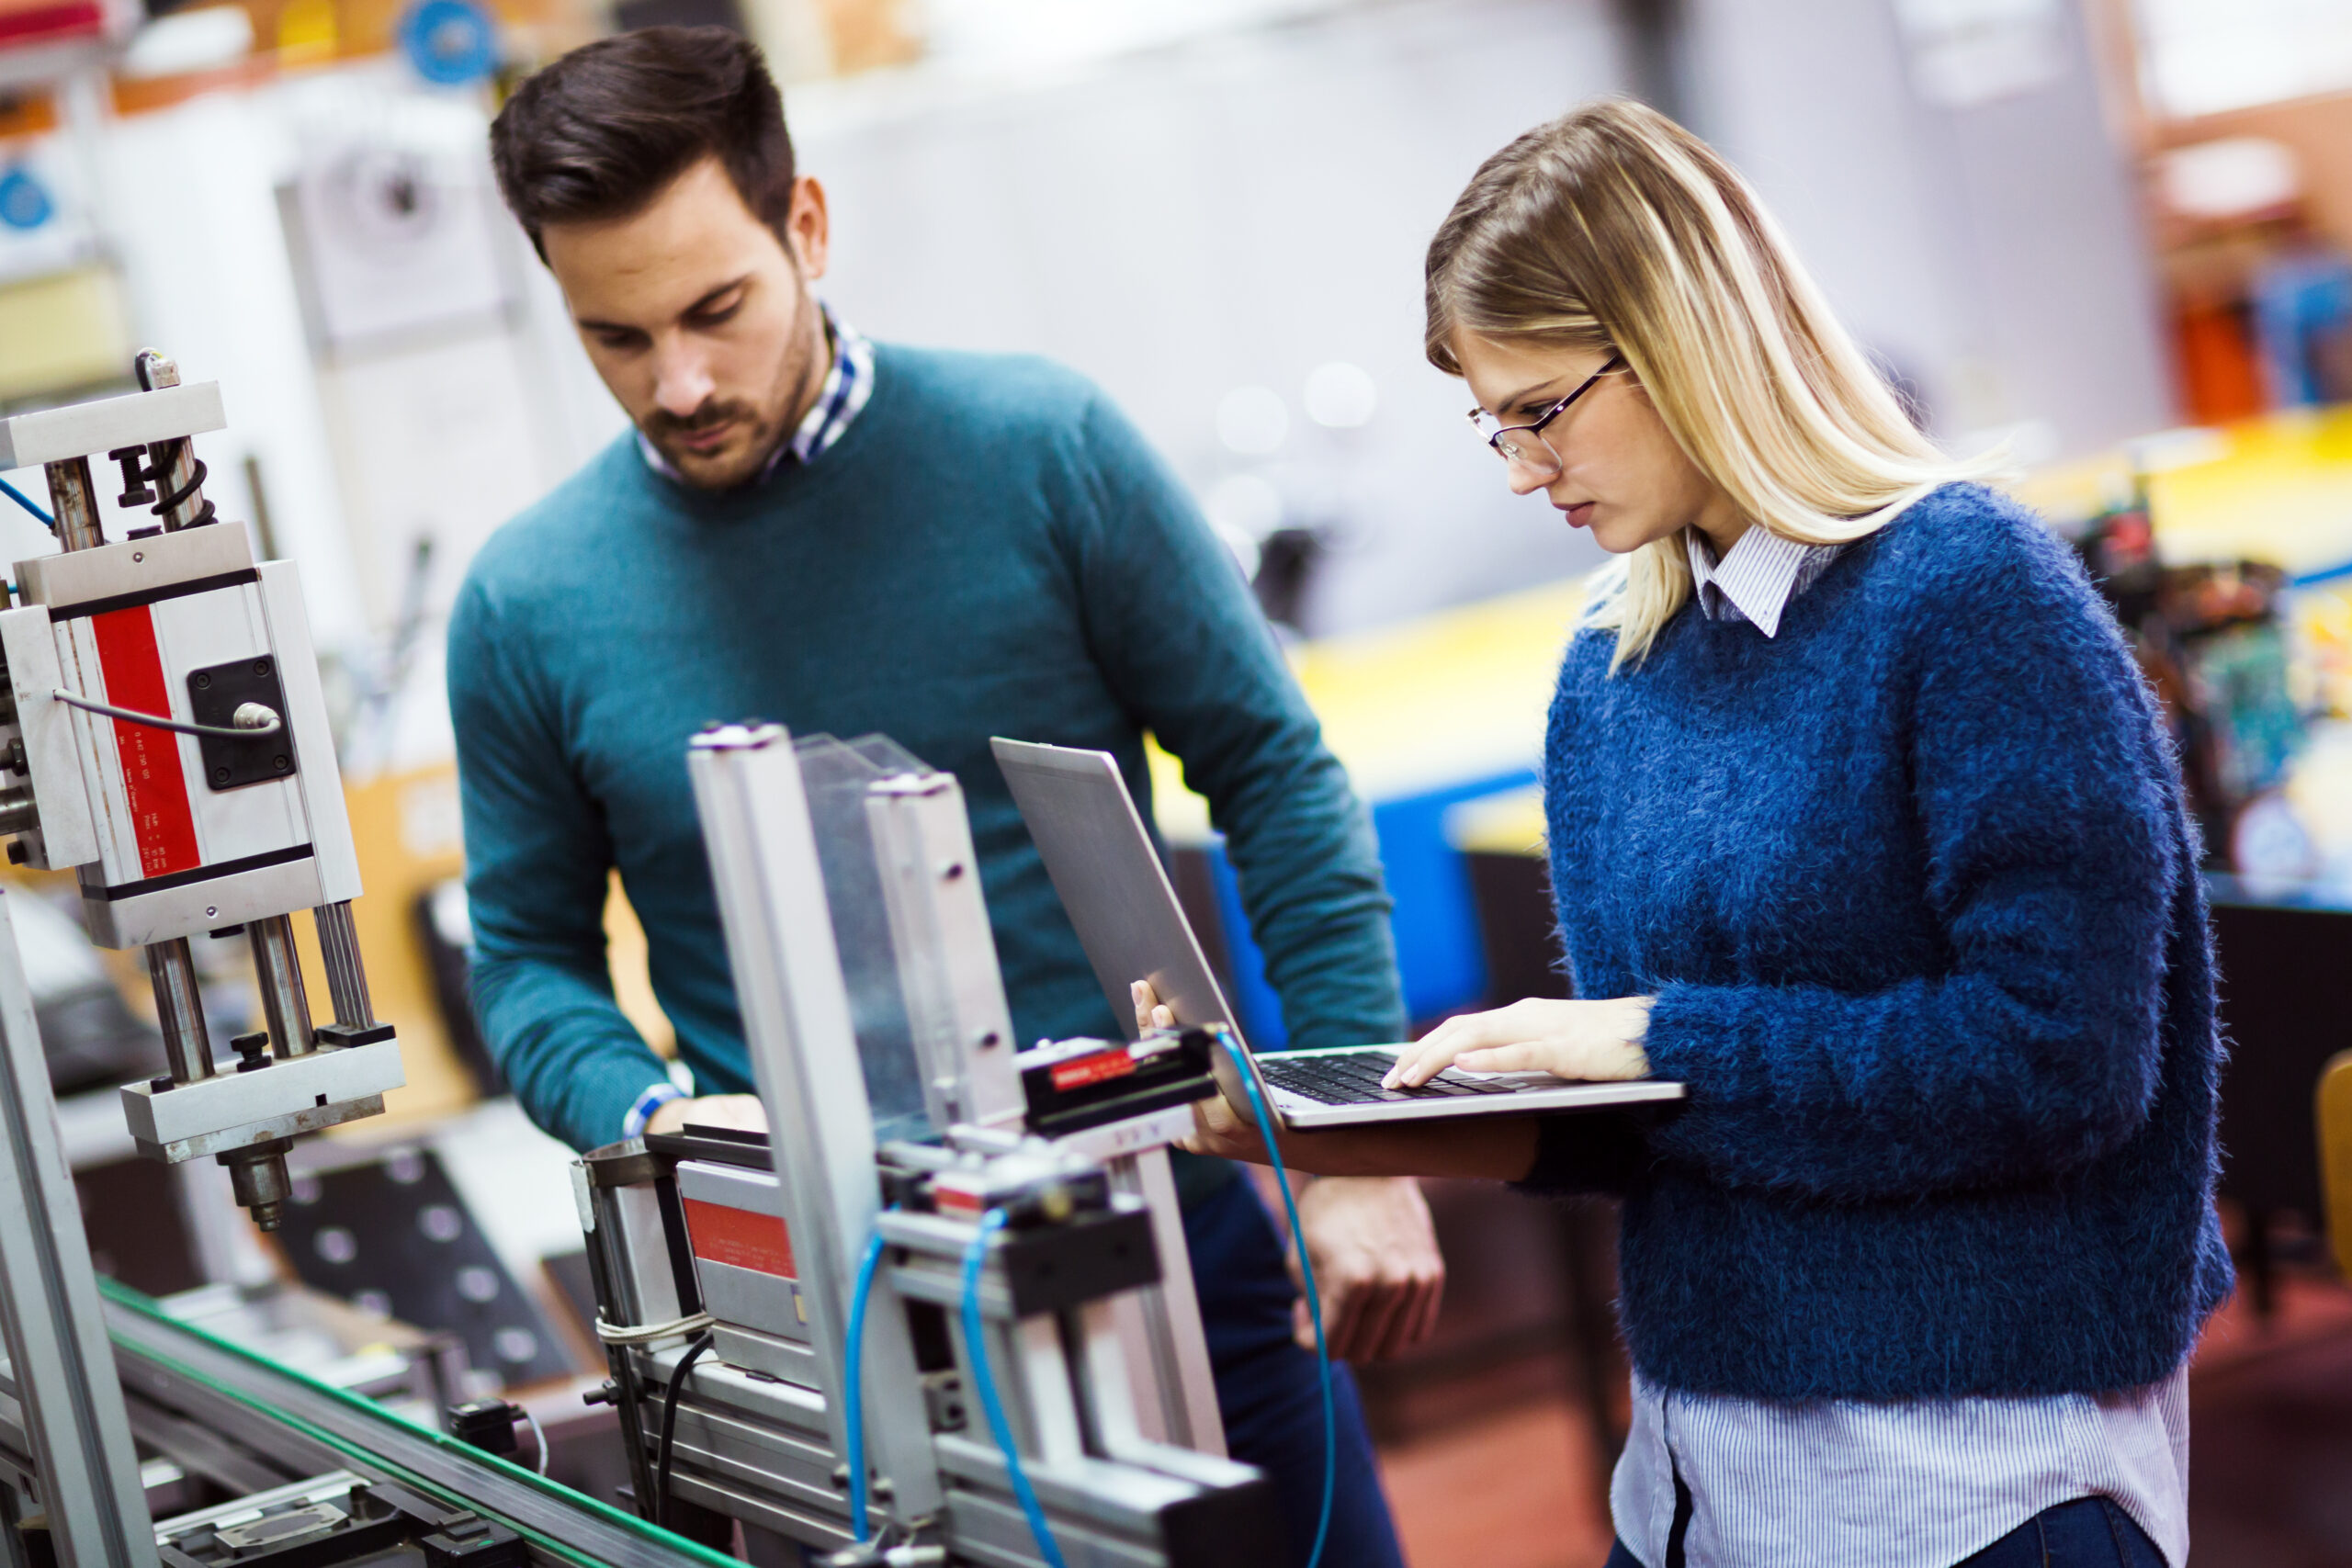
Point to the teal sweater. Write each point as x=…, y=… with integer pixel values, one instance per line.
x=989, y=549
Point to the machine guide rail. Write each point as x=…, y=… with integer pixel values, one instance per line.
x=263, y=1413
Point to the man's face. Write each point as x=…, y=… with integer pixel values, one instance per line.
x=699, y=319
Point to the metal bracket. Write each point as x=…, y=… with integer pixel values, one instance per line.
x=214, y=695
x=230, y=1110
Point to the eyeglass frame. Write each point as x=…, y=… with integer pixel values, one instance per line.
x=1614, y=363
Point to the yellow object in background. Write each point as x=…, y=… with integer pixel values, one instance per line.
x=308, y=32
x=62, y=333
x=2276, y=488
x=1422, y=705
x=2336, y=1153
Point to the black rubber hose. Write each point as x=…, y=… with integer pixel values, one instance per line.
x=196, y=475
x=670, y=1425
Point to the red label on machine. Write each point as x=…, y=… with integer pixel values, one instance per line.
x=739, y=1239
x=1116, y=1063
x=153, y=783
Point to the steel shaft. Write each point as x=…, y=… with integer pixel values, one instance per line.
x=73, y=502
x=347, y=977
x=179, y=1010
x=278, y=970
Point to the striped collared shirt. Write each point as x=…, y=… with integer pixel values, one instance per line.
x=1758, y=576
x=849, y=381
x=1840, y=1484
x=1924, y=1484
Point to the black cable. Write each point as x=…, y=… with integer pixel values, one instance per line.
x=670, y=1427
x=196, y=473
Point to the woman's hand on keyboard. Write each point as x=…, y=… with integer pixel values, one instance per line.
x=1587, y=1042
x=1492, y=1148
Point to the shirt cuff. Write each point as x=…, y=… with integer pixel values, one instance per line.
x=641, y=1109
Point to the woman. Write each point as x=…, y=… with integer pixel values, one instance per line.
x=1859, y=828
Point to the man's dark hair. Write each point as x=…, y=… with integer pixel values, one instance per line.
x=600, y=132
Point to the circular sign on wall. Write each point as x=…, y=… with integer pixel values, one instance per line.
x=449, y=41
x=23, y=201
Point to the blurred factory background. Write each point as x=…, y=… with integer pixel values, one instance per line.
x=2111, y=236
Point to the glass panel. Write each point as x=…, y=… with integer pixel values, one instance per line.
x=835, y=773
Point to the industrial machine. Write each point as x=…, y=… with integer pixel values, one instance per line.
x=939, y=1314
x=163, y=736
x=164, y=713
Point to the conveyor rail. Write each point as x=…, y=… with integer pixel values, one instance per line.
x=279, y=1412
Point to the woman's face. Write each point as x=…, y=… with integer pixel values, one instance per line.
x=1622, y=474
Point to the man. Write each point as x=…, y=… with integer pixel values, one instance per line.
x=854, y=539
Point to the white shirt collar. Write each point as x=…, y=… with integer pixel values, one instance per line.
x=1756, y=577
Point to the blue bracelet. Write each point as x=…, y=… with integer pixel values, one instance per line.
x=641, y=1109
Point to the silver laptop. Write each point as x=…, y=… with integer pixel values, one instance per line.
x=1108, y=872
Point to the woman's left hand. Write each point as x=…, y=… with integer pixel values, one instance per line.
x=1589, y=1042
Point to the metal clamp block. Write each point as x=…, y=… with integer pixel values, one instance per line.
x=51, y=435
x=233, y=1110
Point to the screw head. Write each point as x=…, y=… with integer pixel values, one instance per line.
x=203, y=682
x=281, y=764
x=212, y=911
x=261, y=666
x=221, y=775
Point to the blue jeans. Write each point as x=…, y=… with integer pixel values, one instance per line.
x=1266, y=1386
x=2089, y=1532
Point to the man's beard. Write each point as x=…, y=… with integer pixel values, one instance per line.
x=803, y=370
x=665, y=431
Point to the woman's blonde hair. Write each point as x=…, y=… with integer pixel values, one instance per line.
x=1613, y=228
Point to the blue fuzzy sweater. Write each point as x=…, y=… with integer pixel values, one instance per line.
x=1914, y=890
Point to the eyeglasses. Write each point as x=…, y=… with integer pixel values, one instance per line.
x=1524, y=444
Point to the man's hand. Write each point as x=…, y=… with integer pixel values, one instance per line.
x=742, y=1111
x=1150, y=1012
x=1376, y=1264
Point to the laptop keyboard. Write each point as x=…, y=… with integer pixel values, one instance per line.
x=1354, y=1079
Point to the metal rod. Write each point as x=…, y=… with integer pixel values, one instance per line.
x=74, y=500
x=346, y=976
x=603, y=1244
x=278, y=972
x=179, y=1010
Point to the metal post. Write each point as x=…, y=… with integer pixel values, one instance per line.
x=347, y=977
x=50, y=1311
x=947, y=965
x=278, y=972
x=179, y=1010
x=178, y=465
x=1161, y=1324
x=73, y=502
x=599, y=1214
x=795, y=1012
